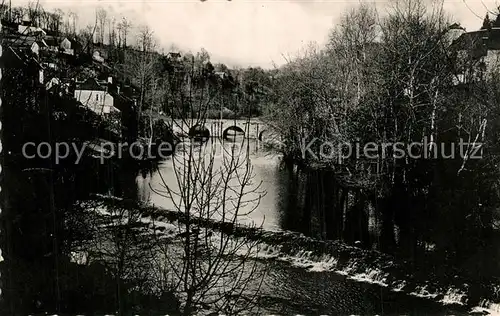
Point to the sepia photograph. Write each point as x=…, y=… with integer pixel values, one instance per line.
x=249, y=157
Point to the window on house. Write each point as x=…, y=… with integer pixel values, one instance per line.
x=97, y=97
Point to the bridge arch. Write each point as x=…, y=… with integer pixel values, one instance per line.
x=233, y=131
x=216, y=127
x=199, y=133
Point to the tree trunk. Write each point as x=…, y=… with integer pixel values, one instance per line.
x=308, y=205
x=330, y=207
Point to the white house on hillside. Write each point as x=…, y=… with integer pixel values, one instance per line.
x=67, y=46
x=31, y=30
x=34, y=47
x=95, y=96
x=97, y=57
x=26, y=28
x=28, y=44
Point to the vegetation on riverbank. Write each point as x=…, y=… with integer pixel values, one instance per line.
x=406, y=77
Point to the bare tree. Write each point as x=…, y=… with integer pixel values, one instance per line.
x=34, y=11
x=119, y=31
x=145, y=39
x=44, y=19
x=354, y=40
x=17, y=14
x=72, y=21
x=111, y=31
x=87, y=37
x=101, y=16
x=212, y=268
x=144, y=72
x=124, y=28
x=119, y=238
x=56, y=20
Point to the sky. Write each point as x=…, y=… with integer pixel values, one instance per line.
x=246, y=32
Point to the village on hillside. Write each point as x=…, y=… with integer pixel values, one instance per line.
x=115, y=80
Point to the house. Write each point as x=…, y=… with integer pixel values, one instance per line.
x=97, y=56
x=221, y=74
x=482, y=46
x=52, y=43
x=95, y=96
x=54, y=82
x=55, y=85
x=42, y=44
x=31, y=30
x=69, y=46
x=34, y=47
x=51, y=65
x=28, y=44
x=65, y=46
x=50, y=32
x=26, y=28
x=174, y=55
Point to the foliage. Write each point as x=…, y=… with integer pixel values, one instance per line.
x=395, y=79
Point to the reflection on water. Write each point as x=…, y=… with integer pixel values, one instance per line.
x=266, y=175
x=289, y=289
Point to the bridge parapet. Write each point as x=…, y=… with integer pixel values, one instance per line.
x=252, y=128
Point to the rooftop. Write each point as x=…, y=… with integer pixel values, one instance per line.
x=487, y=38
x=90, y=84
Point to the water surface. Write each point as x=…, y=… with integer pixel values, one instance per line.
x=289, y=288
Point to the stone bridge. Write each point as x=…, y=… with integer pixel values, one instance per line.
x=252, y=129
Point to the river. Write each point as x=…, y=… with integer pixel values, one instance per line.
x=292, y=286
x=265, y=171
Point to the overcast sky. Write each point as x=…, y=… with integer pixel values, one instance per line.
x=245, y=32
